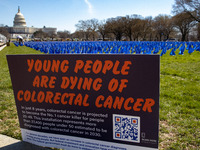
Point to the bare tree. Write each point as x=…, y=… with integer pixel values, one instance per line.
x=88, y=27
x=102, y=29
x=40, y=34
x=192, y=7
x=146, y=27
x=115, y=26
x=52, y=35
x=78, y=34
x=93, y=26
x=184, y=23
x=169, y=26
x=137, y=28
x=64, y=35
x=128, y=26
x=198, y=31
x=4, y=31
x=84, y=27
x=158, y=26
x=163, y=26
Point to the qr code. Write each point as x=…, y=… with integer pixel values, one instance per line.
x=126, y=128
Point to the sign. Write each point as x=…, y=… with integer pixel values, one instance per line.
x=86, y=101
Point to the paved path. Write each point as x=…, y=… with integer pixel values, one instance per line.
x=2, y=47
x=8, y=143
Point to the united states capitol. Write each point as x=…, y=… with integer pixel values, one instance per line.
x=20, y=29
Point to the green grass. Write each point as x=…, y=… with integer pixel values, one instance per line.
x=9, y=124
x=179, y=99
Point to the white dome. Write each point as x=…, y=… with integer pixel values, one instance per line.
x=19, y=19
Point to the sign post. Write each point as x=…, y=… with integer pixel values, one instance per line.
x=87, y=101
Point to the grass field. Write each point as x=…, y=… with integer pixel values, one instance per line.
x=179, y=99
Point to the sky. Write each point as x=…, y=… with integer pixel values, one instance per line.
x=64, y=14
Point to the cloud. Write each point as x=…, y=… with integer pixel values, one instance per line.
x=90, y=7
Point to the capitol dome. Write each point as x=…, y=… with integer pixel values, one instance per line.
x=19, y=19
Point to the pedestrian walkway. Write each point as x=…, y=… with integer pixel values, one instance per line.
x=8, y=143
x=2, y=47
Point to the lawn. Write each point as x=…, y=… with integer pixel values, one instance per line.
x=179, y=99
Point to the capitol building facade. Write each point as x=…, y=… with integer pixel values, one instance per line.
x=20, y=29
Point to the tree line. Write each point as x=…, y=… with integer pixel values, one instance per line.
x=183, y=26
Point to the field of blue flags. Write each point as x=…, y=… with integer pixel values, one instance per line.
x=113, y=47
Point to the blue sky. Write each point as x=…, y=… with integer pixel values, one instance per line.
x=64, y=14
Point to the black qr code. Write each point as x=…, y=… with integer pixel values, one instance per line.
x=126, y=128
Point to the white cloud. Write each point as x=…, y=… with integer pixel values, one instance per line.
x=90, y=7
